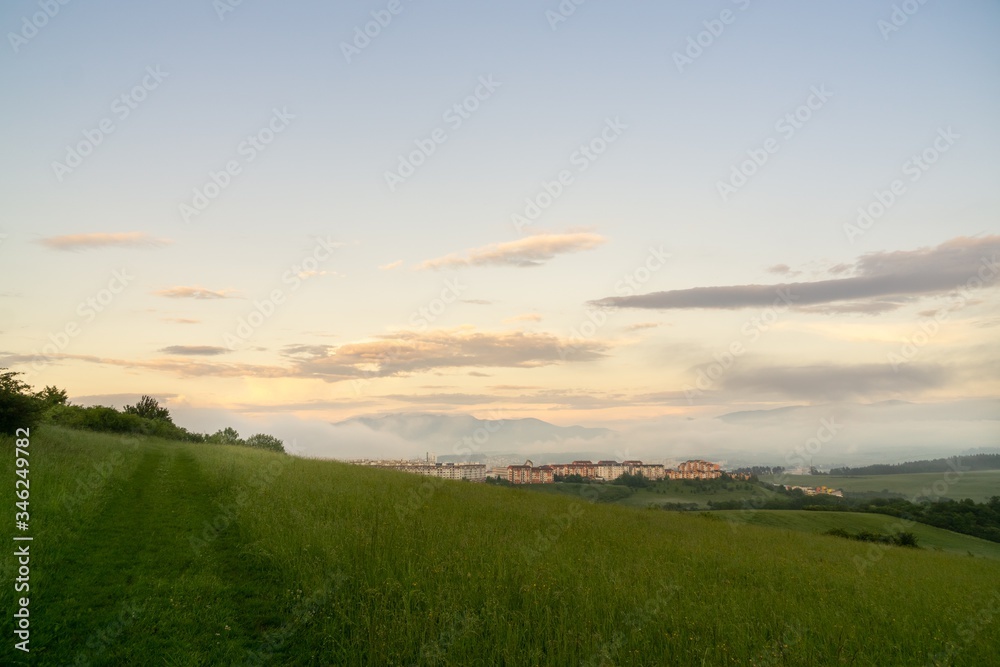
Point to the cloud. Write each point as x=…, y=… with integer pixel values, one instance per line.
x=642, y=325
x=407, y=352
x=477, y=302
x=195, y=350
x=391, y=265
x=780, y=269
x=856, y=307
x=194, y=293
x=532, y=250
x=397, y=354
x=181, y=320
x=526, y=317
x=831, y=382
x=879, y=276
x=180, y=367
x=102, y=240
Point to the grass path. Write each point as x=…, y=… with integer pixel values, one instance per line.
x=132, y=582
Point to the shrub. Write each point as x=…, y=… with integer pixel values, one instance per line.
x=147, y=407
x=265, y=441
x=19, y=408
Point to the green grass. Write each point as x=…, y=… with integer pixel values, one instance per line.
x=978, y=485
x=660, y=494
x=320, y=563
x=928, y=537
x=678, y=492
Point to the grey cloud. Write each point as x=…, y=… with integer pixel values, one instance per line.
x=837, y=382
x=952, y=265
x=195, y=350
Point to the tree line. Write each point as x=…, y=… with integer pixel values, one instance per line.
x=22, y=407
x=966, y=463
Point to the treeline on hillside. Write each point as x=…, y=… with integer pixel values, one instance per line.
x=965, y=463
x=761, y=471
x=21, y=407
x=961, y=516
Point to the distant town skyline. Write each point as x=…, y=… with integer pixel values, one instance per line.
x=707, y=228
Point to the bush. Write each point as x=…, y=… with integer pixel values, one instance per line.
x=265, y=441
x=19, y=408
x=148, y=408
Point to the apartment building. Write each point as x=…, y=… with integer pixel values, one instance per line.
x=474, y=472
x=528, y=473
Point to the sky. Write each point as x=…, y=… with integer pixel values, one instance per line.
x=633, y=215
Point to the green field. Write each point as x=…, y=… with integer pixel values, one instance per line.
x=161, y=553
x=661, y=493
x=928, y=537
x=978, y=485
x=677, y=492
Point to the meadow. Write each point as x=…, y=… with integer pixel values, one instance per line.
x=158, y=552
x=928, y=537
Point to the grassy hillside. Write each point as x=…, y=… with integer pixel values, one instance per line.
x=978, y=485
x=928, y=537
x=154, y=552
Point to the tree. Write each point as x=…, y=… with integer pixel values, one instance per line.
x=148, y=408
x=226, y=436
x=19, y=408
x=52, y=395
x=265, y=441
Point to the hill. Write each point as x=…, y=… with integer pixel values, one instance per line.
x=928, y=537
x=963, y=463
x=149, y=551
x=978, y=485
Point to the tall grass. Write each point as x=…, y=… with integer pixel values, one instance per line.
x=198, y=554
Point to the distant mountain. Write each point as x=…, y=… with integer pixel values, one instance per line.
x=441, y=433
x=751, y=415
